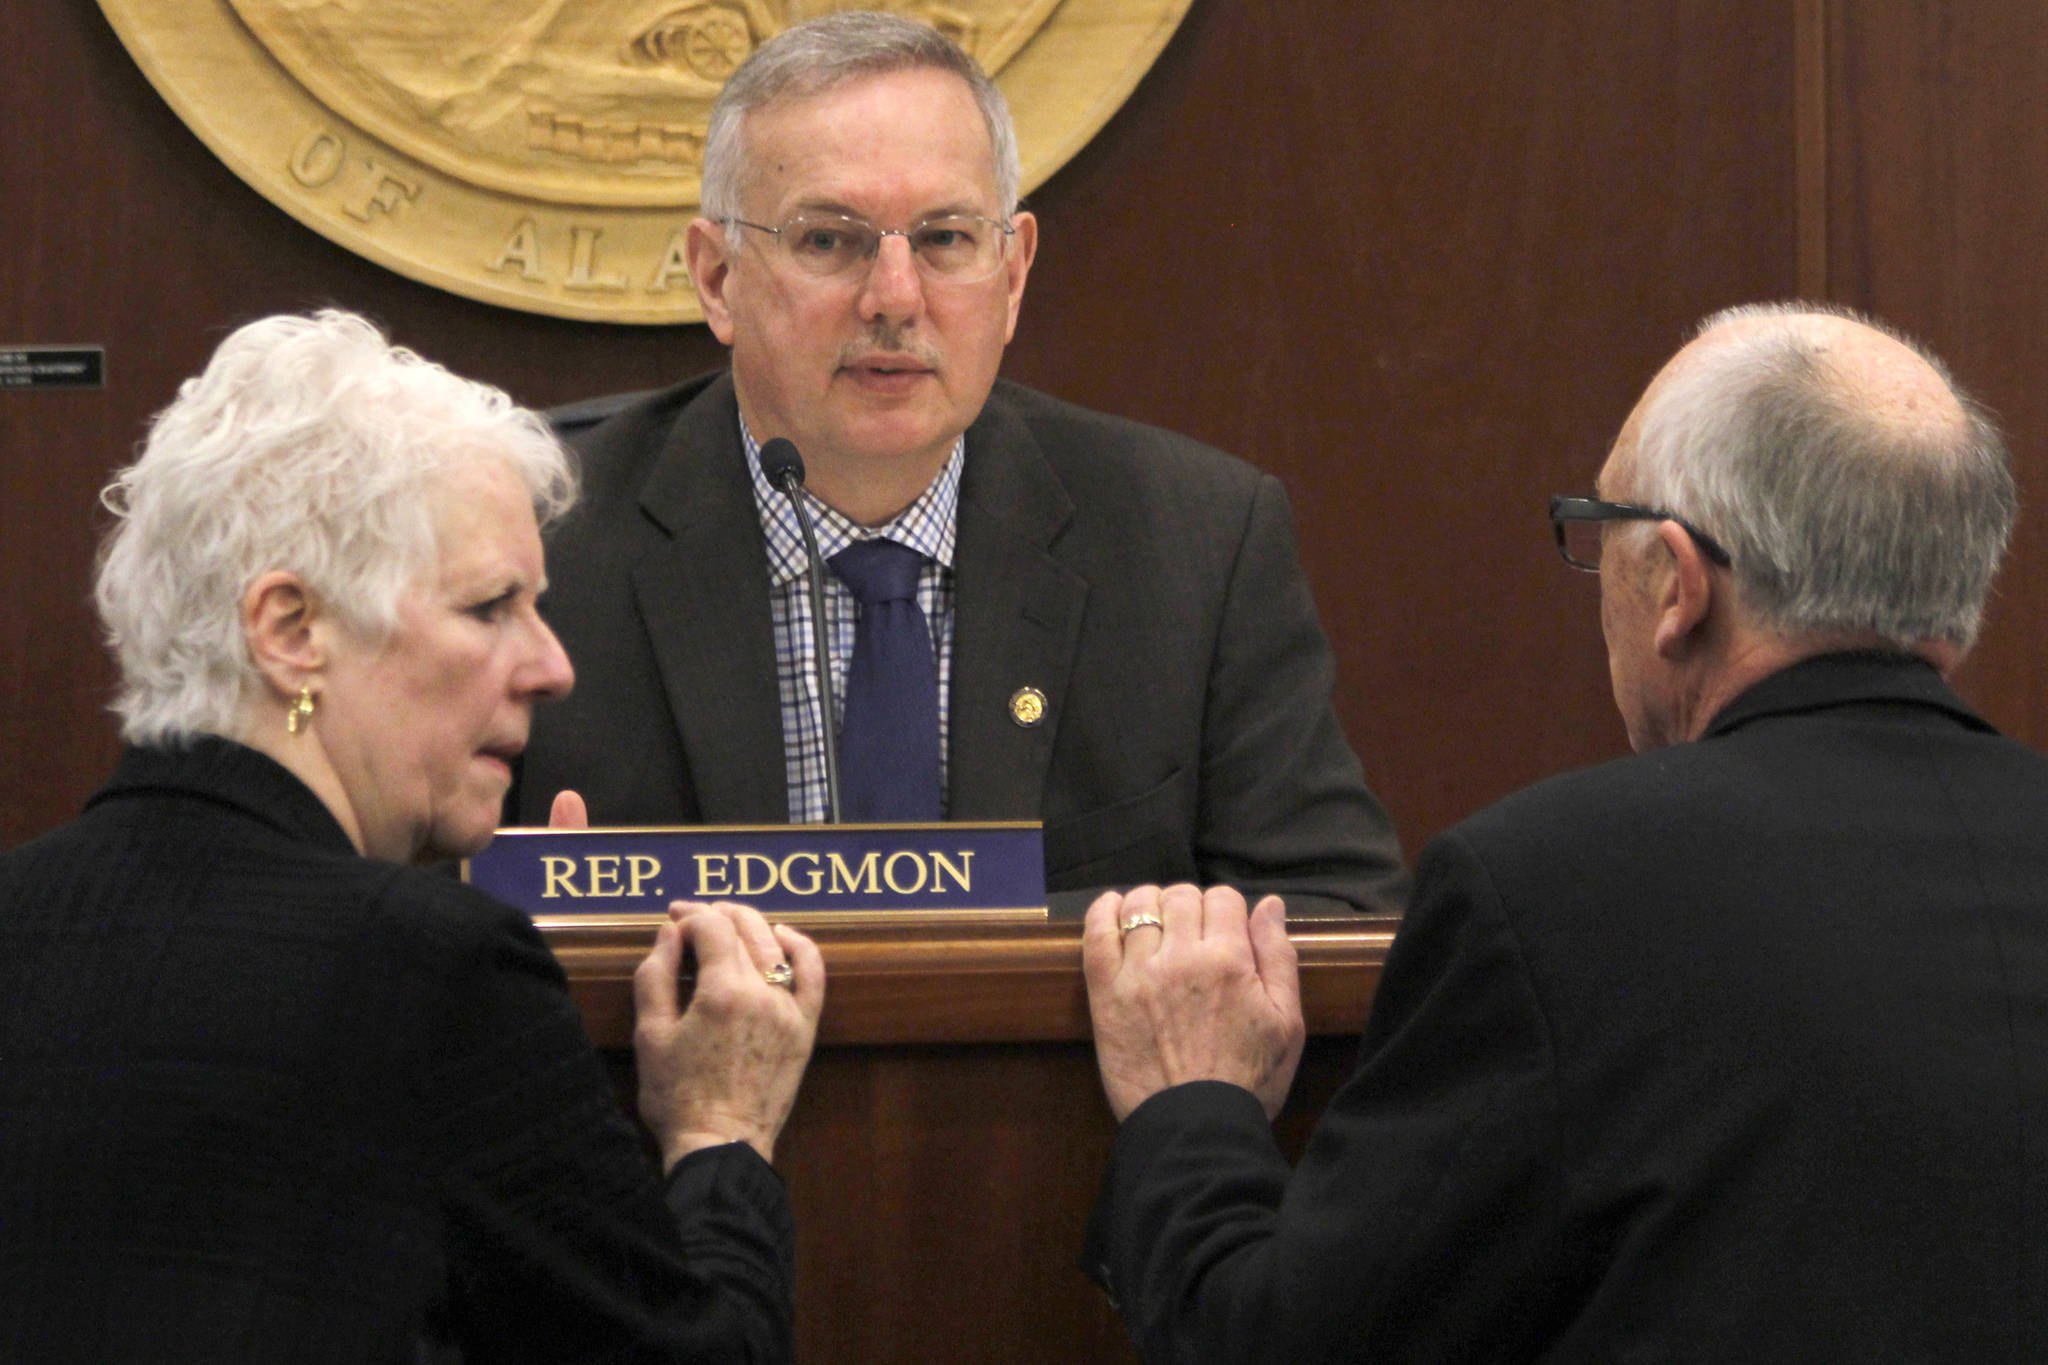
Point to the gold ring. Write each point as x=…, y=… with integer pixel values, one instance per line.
x=781, y=974
x=1139, y=922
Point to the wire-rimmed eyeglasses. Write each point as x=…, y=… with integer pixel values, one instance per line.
x=953, y=248
x=1578, y=525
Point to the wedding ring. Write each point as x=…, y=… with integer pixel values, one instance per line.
x=1139, y=922
x=781, y=974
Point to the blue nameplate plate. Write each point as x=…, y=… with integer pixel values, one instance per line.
x=949, y=870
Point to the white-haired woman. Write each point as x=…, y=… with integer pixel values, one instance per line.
x=267, y=1090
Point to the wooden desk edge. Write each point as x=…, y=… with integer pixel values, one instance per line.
x=954, y=983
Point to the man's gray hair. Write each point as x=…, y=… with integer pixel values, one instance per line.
x=309, y=444
x=829, y=51
x=1838, y=519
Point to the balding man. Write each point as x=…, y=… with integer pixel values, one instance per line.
x=1733, y=1050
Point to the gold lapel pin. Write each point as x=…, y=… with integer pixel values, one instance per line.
x=1027, y=706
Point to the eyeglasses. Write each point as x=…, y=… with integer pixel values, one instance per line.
x=953, y=248
x=1578, y=525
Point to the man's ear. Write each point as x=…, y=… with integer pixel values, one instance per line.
x=283, y=627
x=708, y=249
x=1022, y=251
x=1685, y=599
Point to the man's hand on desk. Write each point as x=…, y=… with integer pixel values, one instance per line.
x=1184, y=986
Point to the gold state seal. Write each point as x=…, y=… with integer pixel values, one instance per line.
x=545, y=154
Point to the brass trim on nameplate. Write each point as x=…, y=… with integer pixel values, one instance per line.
x=758, y=829
x=837, y=919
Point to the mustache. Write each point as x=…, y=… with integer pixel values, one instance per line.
x=889, y=339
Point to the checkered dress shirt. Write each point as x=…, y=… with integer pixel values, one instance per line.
x=927, y=526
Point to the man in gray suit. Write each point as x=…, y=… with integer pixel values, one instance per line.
x=1122, y=643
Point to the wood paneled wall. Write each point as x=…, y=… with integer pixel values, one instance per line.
x=1416, y=259
x=1935, y=215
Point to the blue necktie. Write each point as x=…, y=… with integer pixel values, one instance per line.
x=889, y=741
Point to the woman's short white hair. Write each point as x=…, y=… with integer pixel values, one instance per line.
x=309, y=444
x=822, y=53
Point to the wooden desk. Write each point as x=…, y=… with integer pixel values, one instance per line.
x=945, y=1151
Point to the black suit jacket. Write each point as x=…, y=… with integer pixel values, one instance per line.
x=1147, y=585
x=1733, y=1051
x=262, y=1099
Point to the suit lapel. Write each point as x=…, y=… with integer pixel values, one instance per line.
x=704, y=599
x=1017, y=620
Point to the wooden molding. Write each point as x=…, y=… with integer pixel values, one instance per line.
x=956, y=983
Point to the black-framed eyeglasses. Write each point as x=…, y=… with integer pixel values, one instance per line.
x=1578, y=525
x=952, y=248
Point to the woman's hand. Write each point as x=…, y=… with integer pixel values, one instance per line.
x=727, y=1068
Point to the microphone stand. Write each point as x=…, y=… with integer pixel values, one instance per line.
x=785, y=470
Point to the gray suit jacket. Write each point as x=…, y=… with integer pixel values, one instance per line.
x=1147, y=585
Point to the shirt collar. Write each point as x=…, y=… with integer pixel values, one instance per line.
x=928, y=525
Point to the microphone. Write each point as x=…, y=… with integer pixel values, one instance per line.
x=783, y=466
x=785, y=470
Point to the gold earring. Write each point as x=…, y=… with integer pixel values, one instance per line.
x=300, y=712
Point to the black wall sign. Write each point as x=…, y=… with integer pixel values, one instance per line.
x=53, y=367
